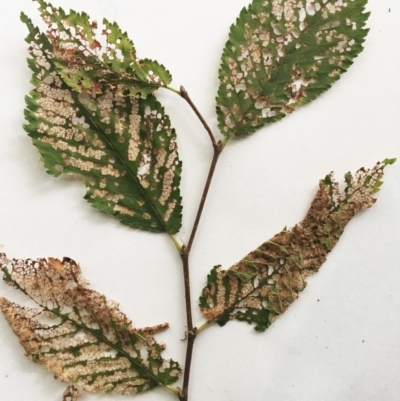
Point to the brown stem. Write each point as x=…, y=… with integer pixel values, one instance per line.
x=217, y=152
x=192, y=331
x=185, y=95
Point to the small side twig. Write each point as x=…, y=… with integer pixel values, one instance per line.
x=185, y=95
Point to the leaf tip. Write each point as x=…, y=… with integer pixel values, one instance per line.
x=24, y=18
x=389, y=161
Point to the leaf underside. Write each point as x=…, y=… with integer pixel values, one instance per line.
x=78, y=334
x=282, y=54
x=264, y=283
x=86, y=121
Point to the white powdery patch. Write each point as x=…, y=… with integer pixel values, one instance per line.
x=56, y=108
x=81, y=150
x=86, y=165
x=134, y=129
x=277, y=9
x=145, y=184
x=105, y=104
x=153, y=78
x=153, y=159
x=110, y=170
x=81, y=164
x=112, y=197
x=120, y=122
x=40, y=58
x=80, y=121
x=56, y=100
x=289, y=10
x=171, y=208
x=120, y=114
x=336, y=7
x=167, y=187
x=68, y=45
x=160, y=158
x=173, y=156
x=123, y=210
x=145, y=164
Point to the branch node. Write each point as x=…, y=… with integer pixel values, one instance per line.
x=190, y=333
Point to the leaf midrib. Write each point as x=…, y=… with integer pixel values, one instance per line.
x=106, y=341
x=123, y=162
x=65, y=317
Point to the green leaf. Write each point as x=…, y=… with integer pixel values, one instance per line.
x=282, y=54
x=86, y=63
x=78, y=334
x=122, y=146
x=263, y=284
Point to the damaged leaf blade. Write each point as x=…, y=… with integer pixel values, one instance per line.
x=86, y=63
x=122, y=146
x=264, y=284
x=78, y=334
x=282, y=54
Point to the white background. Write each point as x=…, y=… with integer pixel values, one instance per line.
x=341, y=340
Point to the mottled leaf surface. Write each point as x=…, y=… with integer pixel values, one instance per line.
x=122, y=146
x=264, y=283
x=88, y=55
x=282, y=54
x=78, y=334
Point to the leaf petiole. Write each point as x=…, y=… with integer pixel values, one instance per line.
x=176, y=243
x=173, y=90
x=203, y=327
x=174, y=390
x=225, y=142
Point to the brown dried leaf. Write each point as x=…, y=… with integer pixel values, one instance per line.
x=78, y=334
x=264, y=283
